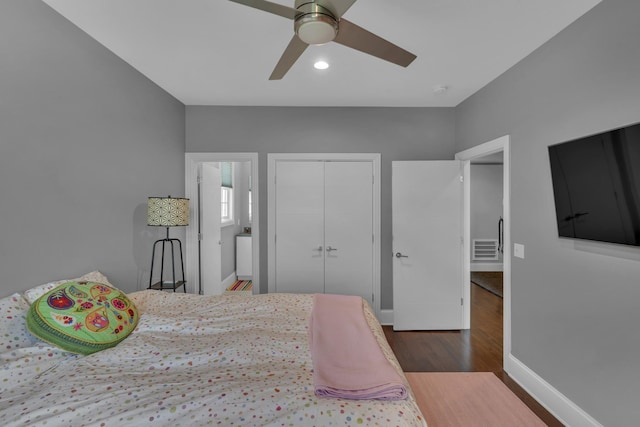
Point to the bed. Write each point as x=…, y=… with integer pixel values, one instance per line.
x=229, y=360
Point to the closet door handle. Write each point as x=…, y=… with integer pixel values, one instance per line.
x=319, y=248
x=329, y=249
x=399, y=255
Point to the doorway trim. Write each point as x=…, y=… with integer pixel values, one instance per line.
x=497, y=145
x=193, y=164
x=374, y=158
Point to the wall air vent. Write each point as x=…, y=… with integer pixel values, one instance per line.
x=485, y=250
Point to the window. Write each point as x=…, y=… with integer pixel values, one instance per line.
x=250, y=202
x=226, y=193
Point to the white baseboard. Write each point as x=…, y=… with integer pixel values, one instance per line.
x=230, y=280
x=385, y=317
x=555, y=402
x=486, y=266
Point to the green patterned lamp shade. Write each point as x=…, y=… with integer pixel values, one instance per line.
x=167, y=211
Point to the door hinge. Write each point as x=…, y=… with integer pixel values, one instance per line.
x=461, y=178
x=199, y=236
x=461, y=301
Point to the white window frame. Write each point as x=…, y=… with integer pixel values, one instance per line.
x=226, y=200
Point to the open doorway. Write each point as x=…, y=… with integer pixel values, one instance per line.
x=487, y=223
x=499, y=148
x=223, y=240
x=487, y=251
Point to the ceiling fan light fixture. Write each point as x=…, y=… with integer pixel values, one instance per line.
x=316, y=29
x=316, y=24
x=321, y=65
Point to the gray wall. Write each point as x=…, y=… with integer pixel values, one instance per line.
x=84, y=140
x=396, y=133
x=575, y=314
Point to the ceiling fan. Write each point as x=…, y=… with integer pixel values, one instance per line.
x=319, y=22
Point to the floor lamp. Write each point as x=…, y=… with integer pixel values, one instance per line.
x=167, y=212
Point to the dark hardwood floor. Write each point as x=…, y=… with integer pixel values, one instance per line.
x=476, y=350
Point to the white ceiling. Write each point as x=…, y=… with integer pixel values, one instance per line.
x=216, y=52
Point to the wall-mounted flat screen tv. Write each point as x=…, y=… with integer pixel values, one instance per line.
x=596, y=186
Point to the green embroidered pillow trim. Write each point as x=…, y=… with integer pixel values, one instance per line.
x=82, y=317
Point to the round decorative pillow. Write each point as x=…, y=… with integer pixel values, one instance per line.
x=82, y=317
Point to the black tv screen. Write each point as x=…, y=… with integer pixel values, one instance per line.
x=596, y=186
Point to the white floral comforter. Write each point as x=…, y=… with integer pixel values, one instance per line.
x=192, y=361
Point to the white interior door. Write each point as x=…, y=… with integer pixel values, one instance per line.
x=427, y=245
x=349, y=228
x=210, y=250
x=299, y=227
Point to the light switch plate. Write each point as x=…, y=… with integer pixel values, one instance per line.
x=518, y=250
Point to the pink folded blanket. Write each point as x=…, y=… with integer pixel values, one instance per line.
x=347, y=360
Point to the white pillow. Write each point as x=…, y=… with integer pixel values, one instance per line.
x=13, y=327
x=36, y=292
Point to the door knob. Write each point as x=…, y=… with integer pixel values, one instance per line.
x=399, y=255
x=329, y=249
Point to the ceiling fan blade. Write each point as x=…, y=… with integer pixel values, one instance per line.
x=288, y=58
x=355, y=37
x=338, y=7
x=276, y=9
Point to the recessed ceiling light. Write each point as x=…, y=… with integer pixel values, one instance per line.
x=321, y=65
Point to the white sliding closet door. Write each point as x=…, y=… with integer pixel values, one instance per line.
x=324, y=227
